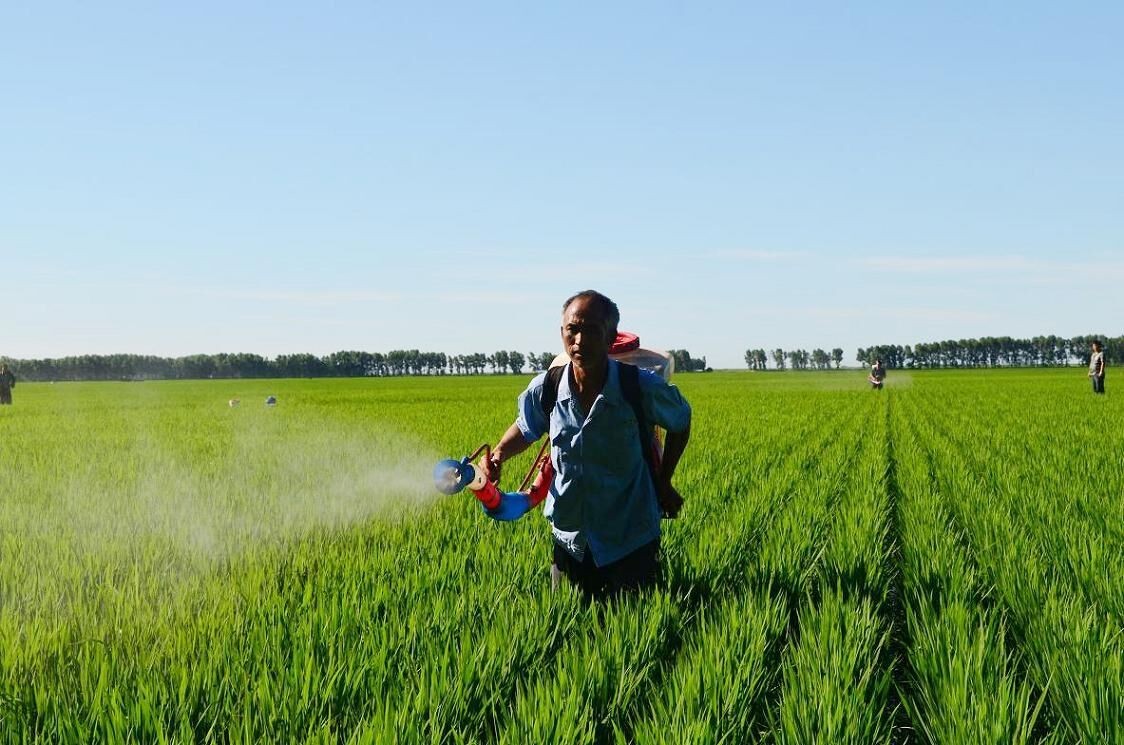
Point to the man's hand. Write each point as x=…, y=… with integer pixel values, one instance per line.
x=670, y=500
x=492, y=466
x=509, y=446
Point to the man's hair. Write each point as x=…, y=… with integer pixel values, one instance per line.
x=612, y=313
x=1097, y=344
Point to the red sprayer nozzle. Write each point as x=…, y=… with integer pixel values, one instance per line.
x=488, y=495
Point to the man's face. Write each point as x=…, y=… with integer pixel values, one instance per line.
x=585, y=333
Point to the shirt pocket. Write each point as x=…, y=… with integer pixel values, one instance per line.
x=612, y=445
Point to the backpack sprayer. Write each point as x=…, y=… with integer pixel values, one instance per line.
x=452, y=476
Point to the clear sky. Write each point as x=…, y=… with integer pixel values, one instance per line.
x=178, y=178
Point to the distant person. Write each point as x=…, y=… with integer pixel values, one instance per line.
x=1096, y=367
x=605, y=503
x=7, y=383
x=877, y=375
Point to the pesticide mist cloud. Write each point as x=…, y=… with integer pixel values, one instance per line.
x=175, y=516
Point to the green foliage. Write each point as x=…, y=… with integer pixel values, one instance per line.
x=939, y=562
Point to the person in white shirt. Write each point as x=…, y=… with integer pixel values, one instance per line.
x=1096, y=366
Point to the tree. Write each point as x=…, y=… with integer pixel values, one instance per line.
x=837, y=357
x=301, y=365
x=396, y=362
x=799, y=359
x=892, y=355
x=778, y=358
x=684, y=362
x=348, y=364
x=540, y=361
x=755, y=359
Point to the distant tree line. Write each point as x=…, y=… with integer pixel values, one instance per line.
x=347, y=364
x=1002, y=351
x=988, y=351
x=995, y=351
x=336, y=365
x=798, y=359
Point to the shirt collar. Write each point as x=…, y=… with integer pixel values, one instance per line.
x=611, y=391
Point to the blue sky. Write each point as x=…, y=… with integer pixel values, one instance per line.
x=276, y=178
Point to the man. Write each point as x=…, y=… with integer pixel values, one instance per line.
x=7, y=383
x=604, y=507
x=877, y=375
x=1096, y=366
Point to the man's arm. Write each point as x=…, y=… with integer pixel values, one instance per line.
x=669, y=498
x=664, y=406
x=674, y=446
x=510, y=445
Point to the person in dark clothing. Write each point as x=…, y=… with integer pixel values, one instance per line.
x=877, y=375
x=7, y=383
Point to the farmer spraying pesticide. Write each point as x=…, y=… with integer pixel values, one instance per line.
x=877, y=377
x=605, y=489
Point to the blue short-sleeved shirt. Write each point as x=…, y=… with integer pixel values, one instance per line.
x=602, y=498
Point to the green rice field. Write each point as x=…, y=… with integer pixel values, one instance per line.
x=938, y=562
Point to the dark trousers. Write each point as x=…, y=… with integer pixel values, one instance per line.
x=636, y=571
x=5, y=395
x=1098, y=384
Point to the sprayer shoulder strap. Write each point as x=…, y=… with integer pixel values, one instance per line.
x=550, y=390
x=630, y=389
